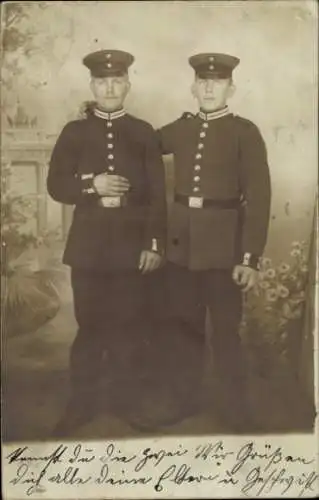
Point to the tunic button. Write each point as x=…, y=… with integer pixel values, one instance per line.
x=111, y=168
x=109, y=124
x=110, y=157
x=110, y=146
x=196, y=189
x=197, y=167
x=200, y=145
x=198, y=156
x=202, y=134
x=205, y=125
x=110, y=136
x=196, y=178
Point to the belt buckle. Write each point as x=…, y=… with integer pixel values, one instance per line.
x=195, y=201
x=110, y=201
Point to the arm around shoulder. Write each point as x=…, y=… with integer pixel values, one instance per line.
x=166, y=137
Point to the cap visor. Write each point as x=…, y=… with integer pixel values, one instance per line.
x=214, y=75
x=103, y=73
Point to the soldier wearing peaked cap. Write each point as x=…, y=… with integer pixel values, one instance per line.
x=106, y=63
x=219, y=219
x=109, y=166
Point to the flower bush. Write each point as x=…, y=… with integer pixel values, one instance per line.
x=273, y=313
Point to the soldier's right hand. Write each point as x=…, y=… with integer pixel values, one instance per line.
x=110, y=185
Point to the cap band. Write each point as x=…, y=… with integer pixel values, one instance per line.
x=218, y=74
x=101, y=72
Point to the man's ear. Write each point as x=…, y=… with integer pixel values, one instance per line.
x=193, y=90
x=232, y=89
x=127, y=86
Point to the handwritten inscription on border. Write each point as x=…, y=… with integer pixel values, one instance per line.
x=255, y=470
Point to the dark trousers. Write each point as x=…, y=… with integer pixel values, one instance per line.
x=191, y=293
x=110, y=308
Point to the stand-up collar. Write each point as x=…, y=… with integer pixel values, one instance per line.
x=113, y=115
x=213, y=115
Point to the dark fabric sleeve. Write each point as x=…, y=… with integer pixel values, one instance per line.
x=256, y=189
x=166, y=137
x=64, y=184
x=155, y=230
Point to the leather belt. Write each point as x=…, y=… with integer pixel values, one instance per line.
x=200, y=202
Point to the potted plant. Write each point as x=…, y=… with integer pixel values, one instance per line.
x=29, y=278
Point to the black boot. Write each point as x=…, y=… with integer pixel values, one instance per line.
x=240, y=420
x=75, y=415
x=166, y=409
x=147, y=425
x=231, y=405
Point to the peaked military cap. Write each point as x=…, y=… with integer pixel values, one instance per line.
x=108, y=63
x=213, y=65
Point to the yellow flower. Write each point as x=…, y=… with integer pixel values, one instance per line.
x=296, y=252
x=282, y=291
x=284, y=268
x=271, y=295
x=296, y=244
x=270, y=273
x=265, y=262
x=264, y=285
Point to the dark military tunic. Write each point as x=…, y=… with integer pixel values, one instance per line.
x=222, y=159
x=104, y=247
x=219, y=219
x=109, y=238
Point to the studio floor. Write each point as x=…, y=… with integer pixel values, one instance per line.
x=36, y=385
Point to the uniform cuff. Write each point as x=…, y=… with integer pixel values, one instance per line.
x=87, y=186
x=250, y=260
x=154, y=245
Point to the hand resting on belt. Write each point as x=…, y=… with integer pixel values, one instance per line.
x=110, y=185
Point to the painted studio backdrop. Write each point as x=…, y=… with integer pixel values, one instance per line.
x=44, y=86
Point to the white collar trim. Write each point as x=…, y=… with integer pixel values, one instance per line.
x=109, y=116
x=213, y=115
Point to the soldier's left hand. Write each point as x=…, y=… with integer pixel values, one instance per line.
x=245, y=277
x=149, y=261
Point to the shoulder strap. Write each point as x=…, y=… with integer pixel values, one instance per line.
x=187, y=115
x=86, y=109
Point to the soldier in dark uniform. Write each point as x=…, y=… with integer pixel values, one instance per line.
x=219, y=220
x=110, y=167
